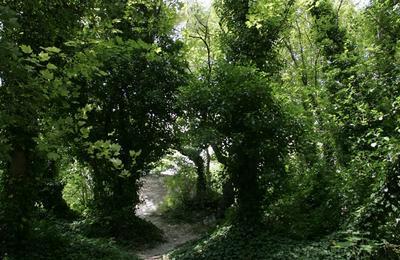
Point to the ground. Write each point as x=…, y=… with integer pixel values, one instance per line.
x=153, y=193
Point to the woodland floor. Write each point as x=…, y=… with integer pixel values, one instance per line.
x=153, y=193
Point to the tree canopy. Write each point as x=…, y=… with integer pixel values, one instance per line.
x=281, y=119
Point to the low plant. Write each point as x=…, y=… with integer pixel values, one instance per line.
x=241, y=242
x=52, y=239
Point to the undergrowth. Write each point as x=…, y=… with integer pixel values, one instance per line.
x=235, y=242
x=133, y=231
x=181, y=203
x=53, y=239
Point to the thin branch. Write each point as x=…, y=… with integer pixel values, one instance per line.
x=304, y=76
x=292, y=55
x=337, y=14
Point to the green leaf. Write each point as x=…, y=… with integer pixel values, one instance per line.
x=367, y=248
x=133, y=153
x=26, y=49
x=102, y=73
x=119, y=40
x=44, y=56
x=52, y=49
x=53, y=156
x=85, y=131
x=51, y=66
x=71, y=43
x=125, y=174
x=63, y=92
x=158, y=50
x=117, y=163
x=345, y=244
x=47, y=74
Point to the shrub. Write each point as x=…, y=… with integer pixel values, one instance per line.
x=56, y=240
x=241, y=242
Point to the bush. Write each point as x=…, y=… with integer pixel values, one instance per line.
x=181, y=202
x=78, y=189
x=56, y=240
x=126, y=229
x=240, y=242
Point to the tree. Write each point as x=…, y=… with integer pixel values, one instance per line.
x=128, y=123
x=380, y=138
x=247, y=122
x=199, y=36
x=31, y=34
x=250, y=34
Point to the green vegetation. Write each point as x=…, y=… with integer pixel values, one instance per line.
x=278, y=119
x=53, y=239
x=235, y=242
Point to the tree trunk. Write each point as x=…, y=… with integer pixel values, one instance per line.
x=201, y=184
x=194, y=154
x=386, y=203
x=228, y=194
x=208, y=163
x=246, y=181
x=50, y=194
x=17, y=197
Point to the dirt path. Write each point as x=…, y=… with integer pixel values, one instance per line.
x=153, y=193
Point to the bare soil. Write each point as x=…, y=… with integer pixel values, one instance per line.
x=152, y=194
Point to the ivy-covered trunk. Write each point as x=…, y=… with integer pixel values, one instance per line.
x=126, y=190
x=201, y=184
x=194, y=154
x=382, y=213
x=50, y=188
x=17, y=198
x=245, y=177
x=228, y=194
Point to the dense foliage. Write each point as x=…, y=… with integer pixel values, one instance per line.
x=279, y=120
